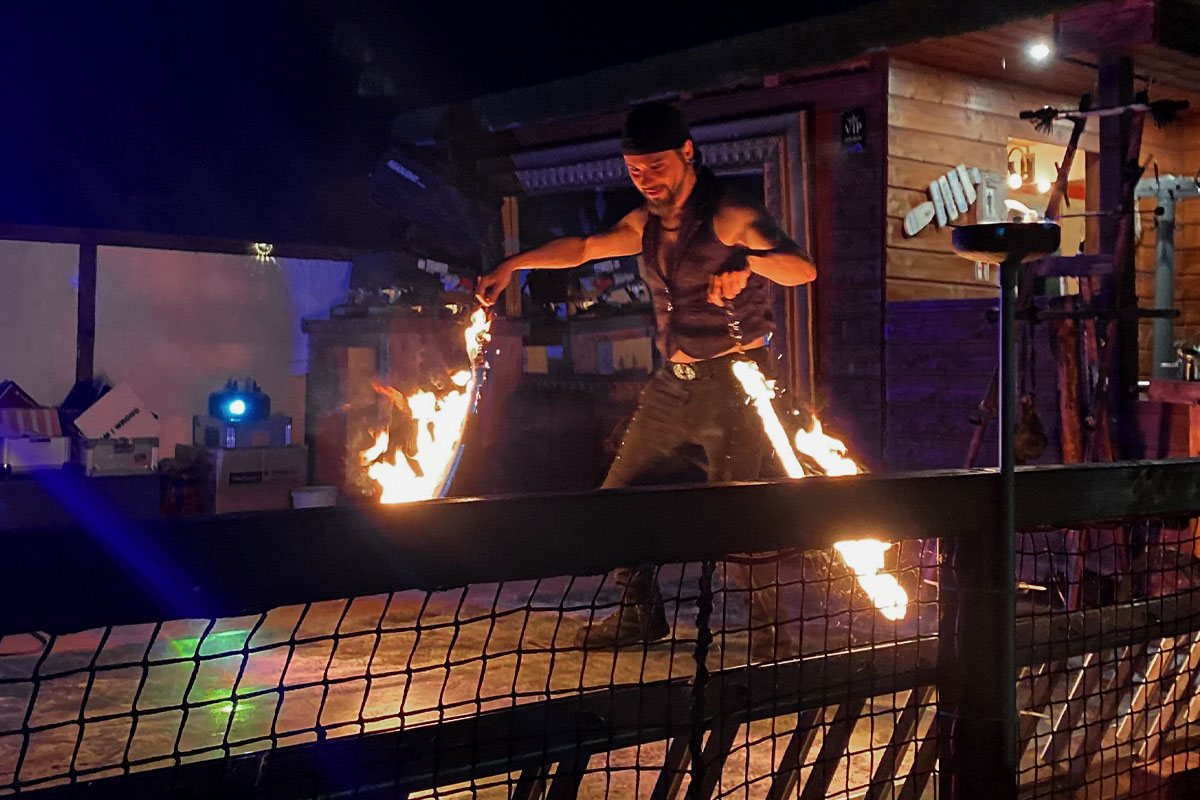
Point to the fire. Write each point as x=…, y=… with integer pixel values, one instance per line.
x=477, y=334
x=865, y=559
x=863, y=556
x=439, y=419
x=828, y=452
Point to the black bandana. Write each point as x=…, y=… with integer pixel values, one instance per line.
x=653, y=128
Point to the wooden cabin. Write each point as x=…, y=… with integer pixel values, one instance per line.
x=892, y=346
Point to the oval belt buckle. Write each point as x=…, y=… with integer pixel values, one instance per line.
x=684, y=372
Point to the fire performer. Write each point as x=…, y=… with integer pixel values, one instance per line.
x=707, y=255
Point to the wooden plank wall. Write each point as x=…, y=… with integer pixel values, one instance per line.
x=940, y=356
x=1176, y=150
x=937, y=119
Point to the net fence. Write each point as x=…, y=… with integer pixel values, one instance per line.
x=1108, y=691
x=786, y=673
x=457, y=664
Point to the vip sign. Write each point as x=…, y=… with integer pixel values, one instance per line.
x=854, y=130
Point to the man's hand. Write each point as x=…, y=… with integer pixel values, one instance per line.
x=727, y=285
x=490, y=286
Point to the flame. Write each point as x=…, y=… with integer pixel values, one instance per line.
x=865, y=559
x=863, y=556
x=477, y=334
x=761, y=391
x=828, y=452
x=439, y=419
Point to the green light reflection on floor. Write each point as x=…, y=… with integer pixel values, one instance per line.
x=225, y=642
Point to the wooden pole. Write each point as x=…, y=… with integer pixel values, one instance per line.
x=512, y=246
x=1120, y=143
x=1064, y=334
x=85, y=319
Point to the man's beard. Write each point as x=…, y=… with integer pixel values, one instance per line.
x=663, y=203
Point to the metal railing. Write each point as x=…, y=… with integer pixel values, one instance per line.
x=220, y=657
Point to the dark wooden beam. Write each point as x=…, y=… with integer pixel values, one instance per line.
x=1073, y=266
x=1063, y=635
x=1111, y=25
x=111, y=570
x=96, y=237
x=1115, y=87
x=85, y=316
x=742, y=61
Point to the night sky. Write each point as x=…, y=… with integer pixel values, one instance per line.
x=115, y=114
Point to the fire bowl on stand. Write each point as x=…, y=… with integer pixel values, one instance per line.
x=985, y=649
x=1000, y=242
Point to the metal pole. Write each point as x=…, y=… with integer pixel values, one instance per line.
x=983, y=744
x=1004, y=574
x=1164, y=287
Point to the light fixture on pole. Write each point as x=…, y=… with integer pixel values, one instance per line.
x=1020, y=166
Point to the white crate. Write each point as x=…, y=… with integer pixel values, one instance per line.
x=27, y=453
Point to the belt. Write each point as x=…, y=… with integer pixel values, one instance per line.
x=713, y=367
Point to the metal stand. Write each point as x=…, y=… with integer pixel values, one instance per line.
x=1168, y=190
x=979, y=666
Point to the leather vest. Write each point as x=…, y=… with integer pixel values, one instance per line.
x=679, y=287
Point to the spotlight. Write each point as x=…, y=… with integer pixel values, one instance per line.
x=1038, y=51
x=239, y=401
x=262, y=250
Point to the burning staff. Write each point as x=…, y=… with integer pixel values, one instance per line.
x=421, y=469
x=828, y=457
x=702, y=245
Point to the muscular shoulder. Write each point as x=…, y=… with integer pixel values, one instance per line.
x=636, y=219
x=734, y=215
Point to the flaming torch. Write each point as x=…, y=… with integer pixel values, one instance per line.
x=439, y=419
x=863, y=556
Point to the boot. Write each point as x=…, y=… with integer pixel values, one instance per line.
x=771, y=643
x=630, y=624
x=768, y=640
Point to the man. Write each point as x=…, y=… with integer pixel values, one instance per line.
x=707, y=256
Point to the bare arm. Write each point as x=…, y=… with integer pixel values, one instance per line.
x=624, y=239
x=772, y=254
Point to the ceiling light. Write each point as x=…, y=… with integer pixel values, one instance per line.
x=1039, y=51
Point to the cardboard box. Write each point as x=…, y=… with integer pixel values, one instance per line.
x=248, y=478
x=118, y=414
x=117, y=456
x=21, y=454
x=274, y=431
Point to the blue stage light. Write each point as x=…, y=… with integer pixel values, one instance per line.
x=239, y=401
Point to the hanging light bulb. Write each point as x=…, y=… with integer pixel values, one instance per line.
x=1038, y=51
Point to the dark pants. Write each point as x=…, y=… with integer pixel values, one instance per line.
x=711, y=412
